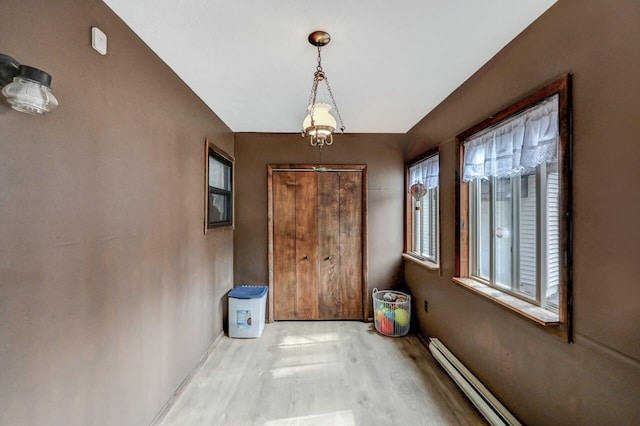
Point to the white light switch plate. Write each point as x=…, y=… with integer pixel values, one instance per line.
x=99, y=40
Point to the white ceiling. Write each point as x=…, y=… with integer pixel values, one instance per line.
x=389, y=62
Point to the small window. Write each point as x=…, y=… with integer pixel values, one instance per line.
x=513, y=208
x=219, y=210
x=422, y=239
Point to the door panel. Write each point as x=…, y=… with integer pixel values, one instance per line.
x=285, y=291
x=306, y=205
x=351, y=244
x=329, y=297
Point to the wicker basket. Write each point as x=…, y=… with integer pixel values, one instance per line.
x=392, y=312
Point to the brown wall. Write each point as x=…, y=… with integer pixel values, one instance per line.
x=541, y=379
x=383, y=156
x=109, y=290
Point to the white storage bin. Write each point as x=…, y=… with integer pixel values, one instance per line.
x=247, y=309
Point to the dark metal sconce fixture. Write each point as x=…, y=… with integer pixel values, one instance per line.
x=26, y=88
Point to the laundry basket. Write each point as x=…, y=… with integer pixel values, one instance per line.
x=392, y=312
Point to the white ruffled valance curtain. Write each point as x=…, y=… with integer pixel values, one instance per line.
x=517, y=145
x=425, y=172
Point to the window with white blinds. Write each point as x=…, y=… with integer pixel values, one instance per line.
x=422, y=221
x=513, y=208
x=512, y=172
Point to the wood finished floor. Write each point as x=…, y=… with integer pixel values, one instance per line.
x=321, y=373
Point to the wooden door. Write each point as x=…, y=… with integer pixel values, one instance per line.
x=340, y=245
x=316, y=244
x=294, y=245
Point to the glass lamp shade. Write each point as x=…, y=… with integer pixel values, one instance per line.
x=30, y=95
x=323, y=122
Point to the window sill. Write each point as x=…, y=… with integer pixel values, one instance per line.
x=220, y=228
x=534, y=313
x=424, y=263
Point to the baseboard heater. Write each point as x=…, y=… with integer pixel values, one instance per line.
x=495, y=413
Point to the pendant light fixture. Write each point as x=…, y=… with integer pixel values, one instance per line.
x=26, y=88
x=319, y=124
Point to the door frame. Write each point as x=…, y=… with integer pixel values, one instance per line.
x=320, y=168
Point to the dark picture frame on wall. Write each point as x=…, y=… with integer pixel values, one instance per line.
x=218, y=187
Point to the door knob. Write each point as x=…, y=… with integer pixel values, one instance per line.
x=305, y=258
x=328, y=258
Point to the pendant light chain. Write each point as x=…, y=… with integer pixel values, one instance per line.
x=333, y=101
x=318, y=76
x=312, y=100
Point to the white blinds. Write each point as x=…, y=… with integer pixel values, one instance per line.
x=516, y=145
x=425, y=172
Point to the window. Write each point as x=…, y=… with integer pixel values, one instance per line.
x=422, y=210
x=513, y=223
x=219, y=210
x=521, y=256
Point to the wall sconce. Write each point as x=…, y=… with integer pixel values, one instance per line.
x=26, y=88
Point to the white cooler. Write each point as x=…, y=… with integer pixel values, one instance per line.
x=247, y=309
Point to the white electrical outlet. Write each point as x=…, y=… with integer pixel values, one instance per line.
x=99, y=40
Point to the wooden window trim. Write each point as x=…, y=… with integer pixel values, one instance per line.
x=210, y=146
x=408, y=216
x=561, y=327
